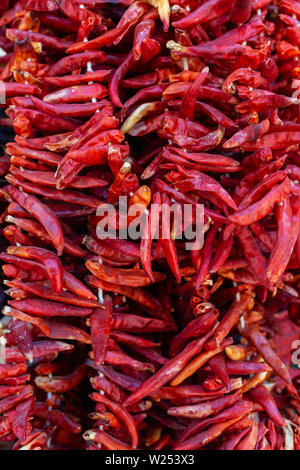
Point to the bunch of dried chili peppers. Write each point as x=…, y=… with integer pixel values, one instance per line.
x=121, y=343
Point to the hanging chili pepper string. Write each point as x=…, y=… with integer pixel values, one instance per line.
x=192, y=347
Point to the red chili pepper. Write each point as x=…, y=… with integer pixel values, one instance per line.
x=122, y=414
x=10, y=402
x=47, y=308
x=168, y=371
x=218, y=366
x=61, y=384
x=57, y=417
x=51, y=328
x=207, y=436
x=260, y=209
x=23, y=338
x=262, y=396
x=75, y=62
x=78, y=79
x=189, y=101
x=121, y=71
x=46, y=293
x=204, y=409
x=205, y=13
x=51, y=262
x=47, y=41
x=100, y=329
x=73, y=110
x=241, y=11
x=42, y=121
x=261, y=343
x=288, y=229
x=43, y=214
x=20, y=419
x=13, y=89
x=110, y=442
x=230, y=319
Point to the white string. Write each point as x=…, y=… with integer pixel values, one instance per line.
x=89, y=68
